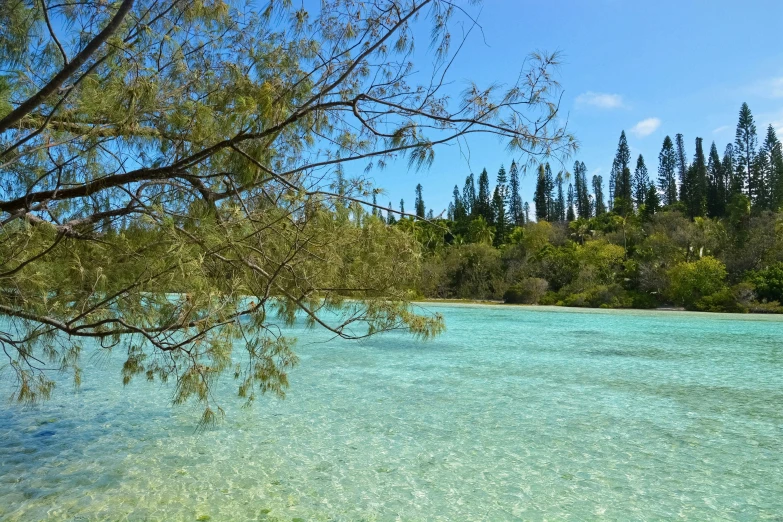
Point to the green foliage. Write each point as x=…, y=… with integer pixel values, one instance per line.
x=698, y=285
x=768, y=282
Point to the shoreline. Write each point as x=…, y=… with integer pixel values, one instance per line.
x=490, y=302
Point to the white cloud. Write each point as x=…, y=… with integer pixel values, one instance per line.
x=646, y=127
x=720, y=129
x=601, y=100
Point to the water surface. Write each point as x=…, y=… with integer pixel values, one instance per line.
x=515, y=413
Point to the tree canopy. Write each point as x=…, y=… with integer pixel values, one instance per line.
x=174, y=178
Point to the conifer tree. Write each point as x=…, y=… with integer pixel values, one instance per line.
x=560, y=204
x=667, y=164
x=682, y=164
x=620, y=185
x=598, y=196
x=652, y=201
x=419, y=203
x=582, y=190
x=515, y=210
x=430, y=215
x=541, y=197
x=402, y=206
x=469, y=195
x=390, y=219
x=499, y=212
x=716, y=186
x=484, y=198
x=695, y=185
x=526, y=206
x=550, y=192
x=570, y=215
x=730, y=179
x=641, y=182
x=459, y=213
x=745, y=142
x=772, y=164
x=375, y=210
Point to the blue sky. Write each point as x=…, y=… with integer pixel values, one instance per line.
x=649, y=68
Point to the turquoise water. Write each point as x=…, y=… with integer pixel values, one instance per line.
x=513, y=414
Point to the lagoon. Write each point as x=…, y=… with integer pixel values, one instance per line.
x=515, y=413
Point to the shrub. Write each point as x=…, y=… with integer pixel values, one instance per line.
x=690, y=283
x=527, y=291
x=768, y=283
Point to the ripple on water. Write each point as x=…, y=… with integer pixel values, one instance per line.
x=514, y=413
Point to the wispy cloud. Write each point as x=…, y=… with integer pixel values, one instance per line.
x=646, y=127
x=720, y=129
x=601, y=100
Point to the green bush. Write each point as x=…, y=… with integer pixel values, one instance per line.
x=691, y=283
x=528, y=291
x=768, y=283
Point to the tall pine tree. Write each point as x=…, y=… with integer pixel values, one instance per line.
x=694, y=189
x=484, y=198
x=570, y=215
x=745, y=142
x=716, y=185
x=515, y=210
x=421, y=210
x=469, y=195
x=641, y=182
x=459, y=212
x=682, y=164
x=559, y=204
x=770, y=162
x=667, y=166
x=598, y=196
x=541, y=196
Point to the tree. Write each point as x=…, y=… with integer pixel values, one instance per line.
x=402, y=206
x=745, y=151
x=667, y=164
x=716, y=185
x=682, y=164
x=526, y=206
x=694, y=188
x=162, y=167
x=459, y=213
x=621, y=190
x=692, y=282
x=598, y=196
x=541, y=196
x=484, y=198
x=560, y=203
x=570, y=215
x=770, y=167
x=641, y=182
x=515, y=211
x=582, y=192
x=421, y=210
x=469, y=195
x=390, y=219
x=499, y=199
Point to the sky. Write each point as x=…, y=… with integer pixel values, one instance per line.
x=649, y=68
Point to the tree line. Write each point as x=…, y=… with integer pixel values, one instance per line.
x=714, y=219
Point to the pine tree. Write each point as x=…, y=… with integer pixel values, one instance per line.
x=515, y=211
x=390, y=219
x=550, y=192
x=402, y=206
x=695, y=191
x=421, y=210
x=652, y=201
x=526, y=206
x=716, y=187
x=598, y=196
x=430, y=215
x=641, y=182
x=620, y=188
x=484, y=200
x=469, y=195
x=771, y=166
x=375, y=211
x=667, y=164
x=570, y=215
x=541, y=197
x=682, y=164
x=560, y=204
x=459, y=213
x=582, y=190
x=730, y=179
x=745, y=142
x=499, y=212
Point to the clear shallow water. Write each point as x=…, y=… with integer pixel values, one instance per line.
x=513, y=414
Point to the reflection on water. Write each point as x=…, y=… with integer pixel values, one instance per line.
x=514, y=413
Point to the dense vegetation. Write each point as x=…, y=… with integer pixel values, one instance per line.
x=706, y=235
